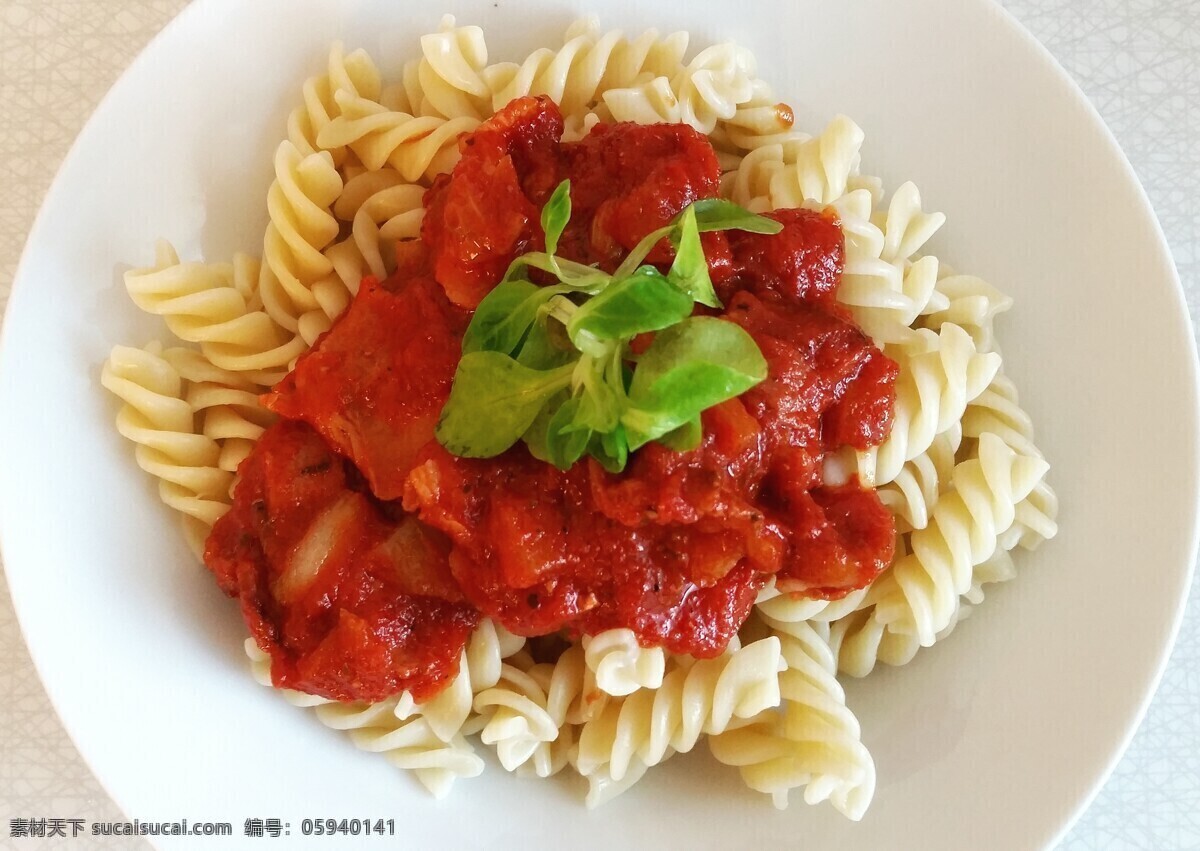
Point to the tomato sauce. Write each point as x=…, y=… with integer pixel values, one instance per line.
x=375, y=386
x=351, y=598
x=418, y=543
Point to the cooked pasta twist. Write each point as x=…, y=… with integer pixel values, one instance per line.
x=913, y=493
x=217, y=306
x=446, y=81
x=705, y=92
x=998, y=411
x=939, y=374
x=906, y=226
x=885, y=297
x=590, y=64
x=381, y=207
x=758, y=121
x=620, y=664
x=225, y=404
x=696, y=697
x=920, y=593
x=805, y=170
x=301, y=226
x=971, y=303
x=860, y=640
x=479, y=668
x=748, y=183
x=513, y=717
x=410, y=744
x=855, y=209
x=813, y=741
x=793, y=608
x=418, y=147
x=572, y=698
x=530, y=715
x=355, y=73
x=157, y=417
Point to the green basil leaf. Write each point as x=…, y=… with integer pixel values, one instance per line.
x=688, y=368
x=565, y=440
x=572, y=275
x=599, y=407
x=645, y=301
x=505, y=316
x=685, y=438
x=719, y=214
x=535, y=436
x=689, y=272
x=545, y=347
x=492, y=403
x=550, y=437
x=634, y=259
x=611, y=449
x=556, y=214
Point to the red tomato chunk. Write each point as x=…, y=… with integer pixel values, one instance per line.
x=375, y=383
x=352, y=599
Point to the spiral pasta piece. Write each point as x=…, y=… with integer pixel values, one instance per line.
x=785, y=606
x=794, y=607
x=885, y=289
x=814, y=741
x=355, y=73
x=696, y=697
x=758, y=121
x=906, y=226
x=620, y=664
x=920, y=592
x=590, y=64
x=225, y=404
x=418, y=147
x=818, y=170
x=913, y=493
x=708, y=90
x=162, y=424
x=971, y=303
x=410, y=745
x=513, y=717
x=479, y=668
x=998, y=411
x=301, y=225
x=860, y=641
x=748, y=184
x=218, y=307
x=939, y=375
x=382, y=208
x=447, y=80
x=572, y=698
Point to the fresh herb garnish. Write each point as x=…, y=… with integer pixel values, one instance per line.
x=552, y=365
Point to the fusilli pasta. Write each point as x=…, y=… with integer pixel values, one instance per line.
x=813, y=741
x=696, y=697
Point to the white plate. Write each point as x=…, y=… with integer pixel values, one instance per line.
x=995, y=739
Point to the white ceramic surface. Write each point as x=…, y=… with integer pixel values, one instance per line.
x=993, y=740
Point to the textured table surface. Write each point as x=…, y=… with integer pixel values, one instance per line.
x=1138, y=61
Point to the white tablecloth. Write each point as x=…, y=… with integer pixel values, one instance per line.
x=1139, y=62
